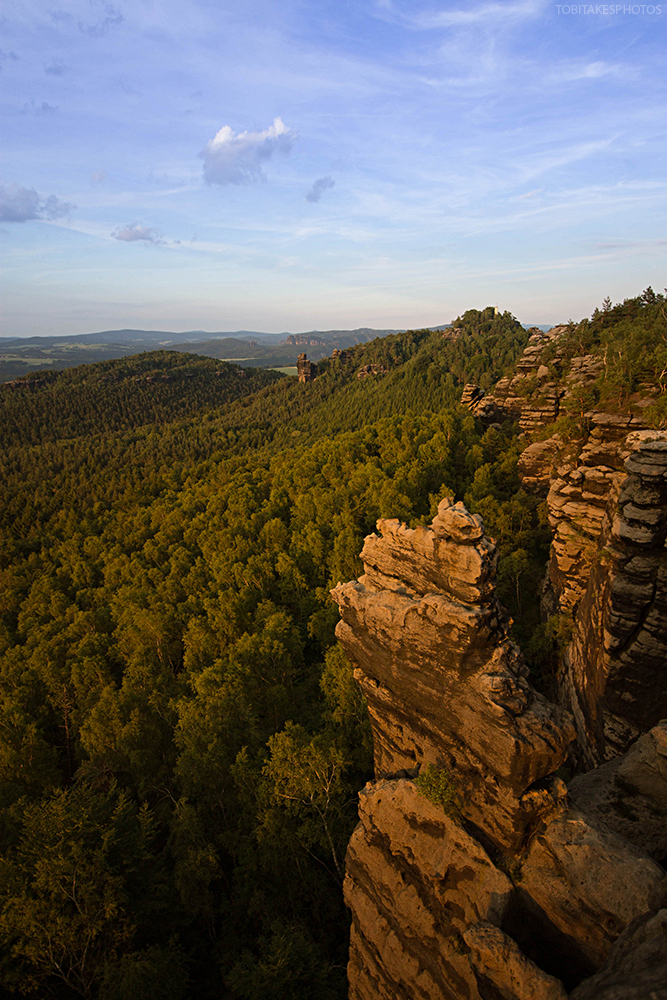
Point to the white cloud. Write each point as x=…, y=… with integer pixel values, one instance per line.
x=319, y=187
x=20, y=204
x=134, y=232
x=237, y=159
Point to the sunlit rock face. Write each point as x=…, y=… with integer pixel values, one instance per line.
x=519, y=891
x=415, y=882
x=581, y=485
x=443, y=682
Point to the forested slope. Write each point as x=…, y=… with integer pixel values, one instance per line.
x=181, y=741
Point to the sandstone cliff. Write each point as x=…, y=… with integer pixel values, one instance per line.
x=523, y=888
x=607, y=501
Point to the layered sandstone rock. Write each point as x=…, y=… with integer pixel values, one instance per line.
x=415, y=882
x=587, y=882
x=578, y=497
x=531, y=396
x=502, y=969
x=444, y=683
x=545, y=379
x=536, y=464
x=530, y=889
x=614, y=678
x=520, y=891
x=471, y=394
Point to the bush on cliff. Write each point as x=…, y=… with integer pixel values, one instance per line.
x=436, y=784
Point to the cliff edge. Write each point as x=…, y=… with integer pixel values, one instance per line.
x=512, y=884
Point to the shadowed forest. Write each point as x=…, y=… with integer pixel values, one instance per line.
x=181, y=738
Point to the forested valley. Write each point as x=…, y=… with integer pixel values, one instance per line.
x=181, y=738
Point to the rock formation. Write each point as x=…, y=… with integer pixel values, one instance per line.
x=373, y=369
x=443, y=682
x=306, y=370
x=544, y=378
x=531, y=396
x=614, y=676
x=607, y=509
x=518, y=887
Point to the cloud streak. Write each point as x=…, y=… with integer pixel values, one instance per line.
x=483, y=14
x=319, y=187
x=231, y=158
x=21, y=204
x=136, y=233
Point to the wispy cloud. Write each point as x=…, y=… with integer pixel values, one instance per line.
x=136, y=233
x=56, y=68
x=95, y=20
x=21, y=204
x=110, y=18
x=30, y=107
x=319, y=187
x=574, y=71
x=633, y=246
x=237, y=159
x=7, y=57
x=484, y=13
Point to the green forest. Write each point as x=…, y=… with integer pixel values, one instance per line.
x=181, y=739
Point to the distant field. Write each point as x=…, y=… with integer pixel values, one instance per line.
x=25, y=361
x=11, y=368
x=289, y=370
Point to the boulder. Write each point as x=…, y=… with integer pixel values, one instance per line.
x=629, y=794
x=503, y=971
x=587, y=881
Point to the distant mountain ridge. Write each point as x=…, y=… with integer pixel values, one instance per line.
x=21, y=355
x=164, y=337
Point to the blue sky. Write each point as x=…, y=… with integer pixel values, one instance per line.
x=295, y=165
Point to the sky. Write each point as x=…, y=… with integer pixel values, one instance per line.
x=288, y=166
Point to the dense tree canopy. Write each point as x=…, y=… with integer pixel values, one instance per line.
x=181, y=739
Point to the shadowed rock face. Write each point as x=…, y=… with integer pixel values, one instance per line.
x=517, y=894
x=629, y=794
x=614, y=677
x=636, y=967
